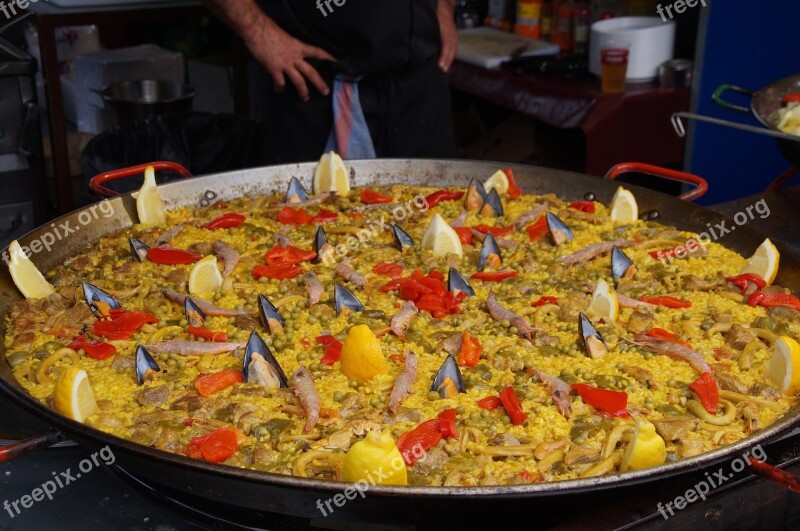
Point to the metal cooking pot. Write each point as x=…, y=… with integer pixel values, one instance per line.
x=254, y=491
x=136, y=101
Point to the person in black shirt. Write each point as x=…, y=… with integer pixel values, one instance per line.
x=392, y=55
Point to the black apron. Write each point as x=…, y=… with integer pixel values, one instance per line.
x=395, y=45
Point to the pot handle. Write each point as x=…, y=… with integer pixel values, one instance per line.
x=722, y=89
x=96, y=182
x=701, y=185
x=24, y=446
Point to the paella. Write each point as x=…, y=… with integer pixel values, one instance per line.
x=410, y=335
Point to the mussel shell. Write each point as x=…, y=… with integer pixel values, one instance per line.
x=320, y=239
x=401, y=237
x=558, y=229
x=144, y=363
x=620, y=263
x=587, y=330
x=493, y=202
x=476, y=195
x=449, y=369
x=489, y=248
x=268, y=311
x=92, y=294
x=194, y=315
x=456, y=281
x=344, y=298
x=138, y=249
x=296, y=190
x=256, y=344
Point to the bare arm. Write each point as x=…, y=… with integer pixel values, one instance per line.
x=280, y=53
x=447, y=28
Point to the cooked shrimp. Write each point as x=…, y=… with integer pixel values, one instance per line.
x=593, y=251
x=404, y=384
x=346, y=271
x=559, y=391
x=192, y=348
x=314, y=288
x=303, y=386
x=499, y=313
x=402, y=319
x=675, y=351
x=207, y=308
x=531, y=216
x=229, y=257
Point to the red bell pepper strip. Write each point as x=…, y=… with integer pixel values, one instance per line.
x=428, y=292
x=771, y=300
x=333, y=349
x=447, y=423
x=666, y=335
x=614, y=403
x=743, y=281
x=497, y=232
x=514, y=191
x=97, y=350
x=490, y=403
x=294, y=216
x=584, y=206
x=371, y=197
x=546, y=299
x=280, y=272
x=170, y=256
x=207, y=334
x=215, y=447
x=791, y=97
x=708, y=391
x=231, y=220
x=210, y=384
x=442, y=195
x=465, y=235
x=493, y=276
x=513, y=406
x=470, y=354
x=413, y=444
x=324, y=216
x=287, y=255
x=386, y=269
x=665, y=300
x=122, y=324
x=538, y=230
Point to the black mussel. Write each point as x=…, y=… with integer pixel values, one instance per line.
x=559, y=230
x=320, y=244
x=590, y=196
x=401, y=237
x=456, y=283
x=98, y=300
x=621, y=265
x=260, y=366
x=296, y=193
x=448, y=381
x=270, y=317
x=591, y=339
x=476, y=196
x=650, y=215
x=490, y=254
x=146, y=366
x=492, y=205
x=194, y=315
x=138, y=249
x=344, y=298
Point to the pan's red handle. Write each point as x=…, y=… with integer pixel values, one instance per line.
x=701, y=185
x=96, y=183
x=775, y=185
x=24, y=446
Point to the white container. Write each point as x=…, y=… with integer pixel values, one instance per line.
x=652, y=42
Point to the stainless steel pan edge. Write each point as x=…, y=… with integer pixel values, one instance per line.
x=155, y=465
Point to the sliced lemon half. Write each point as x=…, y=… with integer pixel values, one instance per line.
x=205, y=277
x=646, y=449
x=624, y=208
x=605, y=304
x=498, y=181
x=149, y=205
x=331, y=175
x=29, y=280
x=764, y=262
x=783, y=367
x=441, y=238
x=73, y=396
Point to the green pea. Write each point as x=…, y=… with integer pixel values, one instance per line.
x=475, y=415
x=460, y=410
x=529, y=395
x=164, y=357
x=172, y=362
x=374, y=402
x=512, y=330
x=537, y=409
x=505, y=419
x=120, y=370
x=686, y=316
x=433, y=395
x=338, y=396
x=302, y=356
x=484, y=414
x=353, y=384
x=506, y=323
x=620, y=366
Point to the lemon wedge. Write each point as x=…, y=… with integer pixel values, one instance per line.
x=205, y=277
x=498, y=181
x=377, y=451
x=362, y=357
x=331, y=175
x=764, y=262
x=73, y=396
x=783, y=367
x=624, y=208
x=646, y=449
x=149, y=205
x=605, y=304
x=29, y=280
x=441, y=238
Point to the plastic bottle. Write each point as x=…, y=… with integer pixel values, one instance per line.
x=529, y=18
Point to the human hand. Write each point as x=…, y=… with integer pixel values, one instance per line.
x=449, y=34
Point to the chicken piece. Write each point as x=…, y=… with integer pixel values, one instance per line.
x=571, y=305
x=201, y=248
x=689, y=448
x=674, y=428
x=695, y=283
x=729, y=382
x=153, y=396
x=784, y=314
x=434, y=459
x=641, y=319
x=738, y=337
x=643, y=376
